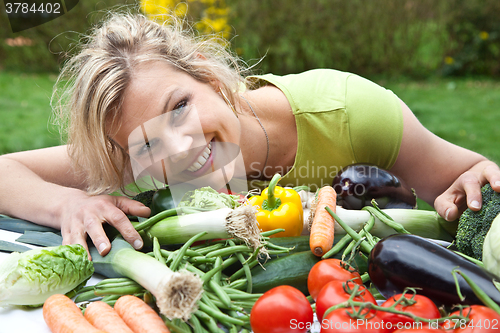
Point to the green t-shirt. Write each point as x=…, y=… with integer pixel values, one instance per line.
x=341, y=119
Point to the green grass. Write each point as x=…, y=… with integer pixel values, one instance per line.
x=25, y=112
x=463, y=111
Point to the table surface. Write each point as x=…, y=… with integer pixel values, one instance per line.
x=16, y=319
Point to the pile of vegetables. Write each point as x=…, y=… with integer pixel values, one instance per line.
x=214, y=262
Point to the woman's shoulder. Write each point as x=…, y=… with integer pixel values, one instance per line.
x=311, y=91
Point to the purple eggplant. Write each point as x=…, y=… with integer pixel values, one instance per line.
x=358, y=184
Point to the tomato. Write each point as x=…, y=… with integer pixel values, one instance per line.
x=328, y=270
x=482, y=319
x=281, y=309
x=424, y=308
x=341, y=320
x=334, y=292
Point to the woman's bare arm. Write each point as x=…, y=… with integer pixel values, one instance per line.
x=41, y=186
x=443, y=174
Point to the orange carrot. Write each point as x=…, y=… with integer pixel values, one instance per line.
x=62, y=315
x=322, y=227
x=139, y=316
x=105, y=318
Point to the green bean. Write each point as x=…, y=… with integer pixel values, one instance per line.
x=246, y=268
x=201, y=260
x=220, y=316
x=195, y=322
x=203, y=251
x=386, y=219
x=364, y=245
x=157, y=252
x=239, y=273
x=156, y=218
x=227, y=251
x=237, y=284
x=271, y=232
x=208, y=321
x=337, y=247
x=218, y=275
x=217, y=289
x=175, y=263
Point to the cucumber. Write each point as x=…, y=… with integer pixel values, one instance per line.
x=292, y=270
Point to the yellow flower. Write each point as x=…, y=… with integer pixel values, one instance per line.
x=449, y=60
x=484, y=35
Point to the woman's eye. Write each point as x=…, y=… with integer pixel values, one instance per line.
x=179, y=109
x=145, y=148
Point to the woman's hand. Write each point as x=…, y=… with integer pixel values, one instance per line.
x=84, y=215
x=466, y=190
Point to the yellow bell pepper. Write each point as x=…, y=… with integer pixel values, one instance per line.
x=278, y=207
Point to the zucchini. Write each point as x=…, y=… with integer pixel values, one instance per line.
x=401, y=261
x=293, y=270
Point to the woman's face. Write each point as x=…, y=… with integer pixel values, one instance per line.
x=177, y=129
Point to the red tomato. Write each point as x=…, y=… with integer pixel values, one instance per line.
x=423, y=307
x=482, y=319
x=334, y=292
x=341, y=320
x=328, y=270
x=281, y=309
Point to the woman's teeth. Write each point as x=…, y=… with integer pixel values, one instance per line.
x=202, y=159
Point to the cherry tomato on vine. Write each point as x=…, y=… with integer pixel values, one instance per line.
x=327, y=270
x=481, y=319
x=281, y=309
x=335, y=292
x=423, y=307
x=343, y=320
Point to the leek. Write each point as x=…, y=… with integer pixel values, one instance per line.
x=176, y=293
x=424, y=223
x=223, y=223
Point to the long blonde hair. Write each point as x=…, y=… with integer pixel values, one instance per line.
x=90, y=89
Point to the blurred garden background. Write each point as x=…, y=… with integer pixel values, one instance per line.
x=440, y=56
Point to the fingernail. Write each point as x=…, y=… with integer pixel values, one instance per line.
x=475, y=204
x=446, y=214
x=497, y=183
x=137, y=244
x=102, y=247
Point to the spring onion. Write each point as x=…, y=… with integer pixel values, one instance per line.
x=176, y=293
x=223, y=223
x=419, y=222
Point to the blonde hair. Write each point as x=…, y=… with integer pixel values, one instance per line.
x=90, y=88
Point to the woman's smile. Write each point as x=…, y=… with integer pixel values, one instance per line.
x=203, y=161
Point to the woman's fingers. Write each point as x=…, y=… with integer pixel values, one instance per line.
x=117, y=218
x=465, y=192
x=87, y=214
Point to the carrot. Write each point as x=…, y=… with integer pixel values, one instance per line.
x=102, y=316
x=139, y=316
x=62, y=315
x=322, y=227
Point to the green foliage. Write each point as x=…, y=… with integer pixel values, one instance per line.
x=365, y=37
x=474, y=30
x=473, y=226
x=43, y=48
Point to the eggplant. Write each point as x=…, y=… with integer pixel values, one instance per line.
x=358, y=184
x=400, y=261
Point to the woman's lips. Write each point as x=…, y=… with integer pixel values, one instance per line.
x=204, y=161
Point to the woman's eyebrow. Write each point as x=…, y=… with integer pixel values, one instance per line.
x=168, y=98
